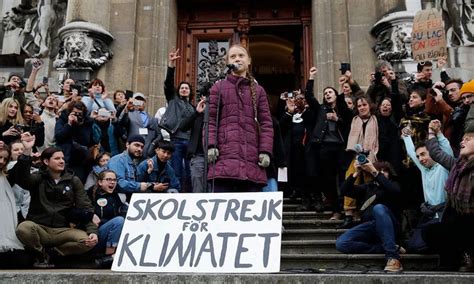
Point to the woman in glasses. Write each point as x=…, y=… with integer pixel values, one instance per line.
x=108, y=206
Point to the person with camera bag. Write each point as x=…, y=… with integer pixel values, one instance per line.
x=380, y=214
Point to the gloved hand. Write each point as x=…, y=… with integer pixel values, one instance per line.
x=263, y=160
x=212, y=155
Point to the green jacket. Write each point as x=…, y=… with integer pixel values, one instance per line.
x=51, y=202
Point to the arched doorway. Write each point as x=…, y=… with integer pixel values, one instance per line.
x=277, y=32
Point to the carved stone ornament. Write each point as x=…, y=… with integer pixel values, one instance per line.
x=32, y=26
x=458, y=19
x=393, y=36
x=83, y=44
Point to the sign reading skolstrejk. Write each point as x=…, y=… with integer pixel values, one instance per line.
x=203, y=233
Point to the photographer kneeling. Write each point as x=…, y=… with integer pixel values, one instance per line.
x=380, y=215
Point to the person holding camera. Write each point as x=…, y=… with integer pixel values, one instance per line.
x=363, y=139
x=380, y=214
x=98, y=98
x=157, y=170
x=135, y=120
x=11, y=120
x=14, y=88
x=76, y=137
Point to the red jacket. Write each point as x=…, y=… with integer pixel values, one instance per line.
x=238, y=140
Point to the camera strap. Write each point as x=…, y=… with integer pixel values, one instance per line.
x=100, y=106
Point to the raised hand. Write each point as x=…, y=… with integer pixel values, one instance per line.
x=172, y=57
x=312, y=72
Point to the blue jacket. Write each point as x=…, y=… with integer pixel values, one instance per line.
x=161, y=175
x=127, y=181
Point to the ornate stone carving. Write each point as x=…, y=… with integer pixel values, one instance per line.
x=393, y=36
x=458, y=17
x=32, y=27
x=394, y=43
x=211, y=63
x=83, y=45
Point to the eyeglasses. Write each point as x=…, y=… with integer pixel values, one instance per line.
x=110, y=179
x=467, y=96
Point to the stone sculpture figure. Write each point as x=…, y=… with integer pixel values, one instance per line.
x=394, y=43
x=457, y=15
x=80, y=50
x=37, y=22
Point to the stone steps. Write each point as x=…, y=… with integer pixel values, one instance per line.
x=308, y=247
x=312, y=234
x=300, y=215
x=311, y=223
x=339, y=261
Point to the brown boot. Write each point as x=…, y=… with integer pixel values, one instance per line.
x=393, y=265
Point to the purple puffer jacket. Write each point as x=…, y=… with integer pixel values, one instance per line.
x=238, y=140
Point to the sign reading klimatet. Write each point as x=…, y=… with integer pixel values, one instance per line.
x=428, y=35
x=202, y=233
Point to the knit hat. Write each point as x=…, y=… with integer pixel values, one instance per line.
x=467, y=87
x=136, y=138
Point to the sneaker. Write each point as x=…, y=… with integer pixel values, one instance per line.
x=393, y=265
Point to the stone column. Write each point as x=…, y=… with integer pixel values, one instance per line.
x=151, y=69
x=322, y=44
x=92, y=11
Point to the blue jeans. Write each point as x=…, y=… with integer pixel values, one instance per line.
x=373, y=236
x=109, y=233
x=180, y=163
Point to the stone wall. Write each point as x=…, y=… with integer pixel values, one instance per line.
x=341, y=34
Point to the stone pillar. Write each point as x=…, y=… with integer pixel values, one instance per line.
x=322, y=44
x=92, y=11
x=156, y=36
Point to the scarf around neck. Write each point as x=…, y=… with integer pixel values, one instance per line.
x=369, y=140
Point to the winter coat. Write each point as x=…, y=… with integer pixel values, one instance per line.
x=177, y=111
x=236, y=134
x=159, y=174
x=52, y=202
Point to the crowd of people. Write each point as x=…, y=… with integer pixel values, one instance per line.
x=393, y=162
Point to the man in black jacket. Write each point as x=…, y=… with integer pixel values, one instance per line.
x=380, y=215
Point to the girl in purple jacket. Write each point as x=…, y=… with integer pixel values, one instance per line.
x=240, y=129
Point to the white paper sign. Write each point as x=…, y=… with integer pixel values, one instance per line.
x=202, y=233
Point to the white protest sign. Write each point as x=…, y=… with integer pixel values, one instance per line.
x=203, y=233
x=428, y=36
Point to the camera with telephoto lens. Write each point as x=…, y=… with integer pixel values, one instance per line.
x=378, y=77
x=362, y=154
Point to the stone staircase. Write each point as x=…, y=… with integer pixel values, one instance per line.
x=309, y=240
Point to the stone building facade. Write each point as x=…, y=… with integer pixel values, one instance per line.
x=140, y=33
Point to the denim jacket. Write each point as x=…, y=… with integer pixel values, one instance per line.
x=126, y=171
x=165, y=175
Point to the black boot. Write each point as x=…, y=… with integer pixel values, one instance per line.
x=348, y=223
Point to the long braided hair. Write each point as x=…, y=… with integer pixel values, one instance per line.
x=253, y=87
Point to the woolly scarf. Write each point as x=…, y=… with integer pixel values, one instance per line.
x=459, y=186
x=369, y=140
x=8, y=222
